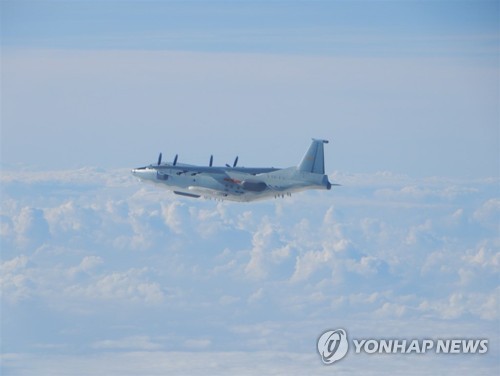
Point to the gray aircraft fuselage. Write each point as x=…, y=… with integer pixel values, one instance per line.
x=239, y=183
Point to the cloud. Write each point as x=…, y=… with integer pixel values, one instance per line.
x=128, y=343
x=481, y=305
x=421, y=232
x=428, y=193
x=229, y=363
x=128, y=285
x=484, y=256
x=14, y=280
x=309, y=263
x=488, y=213
x=391, y=310
x=263, y=241
x=14, y=264
x=365, y=266
x=197, y=344
x=88, y=263
x=31, y=227
x=256, y=296
x=170, y=214
x=138, y=269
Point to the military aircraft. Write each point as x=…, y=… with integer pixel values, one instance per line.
x=239, y=183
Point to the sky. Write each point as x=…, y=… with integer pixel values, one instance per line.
x=408, y=87
x=100, y=273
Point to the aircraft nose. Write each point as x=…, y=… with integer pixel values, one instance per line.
x=144, y=173
x=137, y=171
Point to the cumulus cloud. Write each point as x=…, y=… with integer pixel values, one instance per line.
x=309, y=263
x=129, y=285
x=15, y=281
x=14, y=264
x=170, y=214
x=263, y=242
x=31, y=227
x=88, y=263
x=391, y=310
x=212, y=275
x=488, y=213
x=481, y=305
x=484, y=256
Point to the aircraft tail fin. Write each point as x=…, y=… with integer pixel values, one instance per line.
x=314, y=159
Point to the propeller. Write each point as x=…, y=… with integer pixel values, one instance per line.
x=211, y=160
x=159, y=159
x=175, y=160
x=234, y=164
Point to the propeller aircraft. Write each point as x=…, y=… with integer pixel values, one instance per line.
x=234, y=183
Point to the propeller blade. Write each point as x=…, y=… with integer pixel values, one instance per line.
x=235, y=162
x=159, y=159
x=175, y=159
x=211, y=160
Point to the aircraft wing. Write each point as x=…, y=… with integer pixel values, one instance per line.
x=192, y=169
x=189, y=169
x=224, y=177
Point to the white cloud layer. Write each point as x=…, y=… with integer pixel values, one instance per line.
x=95, y=263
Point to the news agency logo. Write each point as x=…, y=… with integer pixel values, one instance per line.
x=333, y=345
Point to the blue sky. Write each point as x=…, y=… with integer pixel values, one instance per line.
x=244, y=26
x=100, y=272
x=410, y=87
